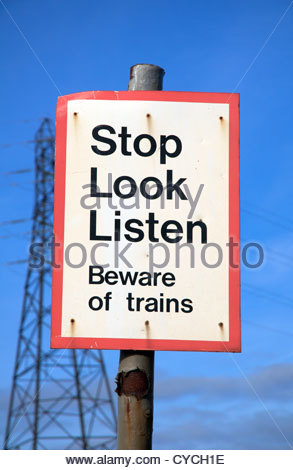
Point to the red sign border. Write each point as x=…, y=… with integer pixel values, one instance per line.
x=234, y=343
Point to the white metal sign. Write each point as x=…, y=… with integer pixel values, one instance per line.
x=146, y=215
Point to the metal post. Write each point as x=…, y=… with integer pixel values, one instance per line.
x=146, y=77
x=135, y=379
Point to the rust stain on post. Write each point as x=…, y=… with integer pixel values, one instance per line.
x=129, y=430
x=134, y=389
x=134, y=383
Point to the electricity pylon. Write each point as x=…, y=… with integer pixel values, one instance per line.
x=60, y=399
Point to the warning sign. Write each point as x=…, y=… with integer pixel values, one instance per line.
x=146, y=221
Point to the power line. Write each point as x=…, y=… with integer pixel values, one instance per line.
x=17, y=172
x=268, y=219
x=15, y=221
x=261, y=292
x=268, y=327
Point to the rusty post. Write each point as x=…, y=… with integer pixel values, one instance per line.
x=135, y=379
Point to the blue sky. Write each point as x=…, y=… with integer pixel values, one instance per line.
x=202, y=400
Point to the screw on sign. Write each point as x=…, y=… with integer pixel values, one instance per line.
x=163, y=173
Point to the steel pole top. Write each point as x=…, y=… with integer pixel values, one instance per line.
x=146, y=77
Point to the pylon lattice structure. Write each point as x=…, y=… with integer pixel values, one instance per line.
x=60, y=399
